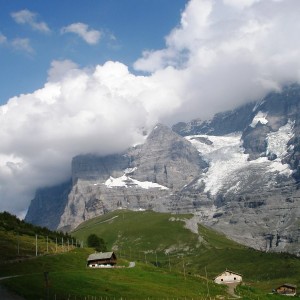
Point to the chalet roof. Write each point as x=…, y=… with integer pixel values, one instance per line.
x=229, y=272
x=100, y=255
x=288, y=285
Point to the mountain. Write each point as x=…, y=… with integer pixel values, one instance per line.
x=221, y=124
x=48, y=205
x=142, y=178
x=237, y=173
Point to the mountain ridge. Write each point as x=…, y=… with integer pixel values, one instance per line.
x=237, y=173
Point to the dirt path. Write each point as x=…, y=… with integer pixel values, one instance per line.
x=231, y=289
x=131, y=264
x=7, y=295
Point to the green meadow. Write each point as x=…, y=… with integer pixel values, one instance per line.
x=172, y=262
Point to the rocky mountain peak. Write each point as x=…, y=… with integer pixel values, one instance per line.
x=277, y=112
x=168, y=159
x=159, y=131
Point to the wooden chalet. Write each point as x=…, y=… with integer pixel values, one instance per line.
x=102, y=260
x=287, y=289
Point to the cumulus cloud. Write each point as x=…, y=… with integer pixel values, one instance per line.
x=101, y=110
x=27, y=17
x=60, y=68
x=23, y=45
x=230, y=52
x=221, y=55
x=90, y=36
x=240, y=3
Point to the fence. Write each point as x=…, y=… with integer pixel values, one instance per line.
x=24, y=246
x=89, y=297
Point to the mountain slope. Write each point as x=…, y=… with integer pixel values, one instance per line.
x=48, y=205
x=221, y=124
x=170, y=241
x=185, y=272
x=237, y=173
x=18, y=239
x=148, y=175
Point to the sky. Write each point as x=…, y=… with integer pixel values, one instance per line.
x=92, y=76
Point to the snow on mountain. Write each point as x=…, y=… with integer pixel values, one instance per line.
x=227, y=160
x=224, y=156
x=259, y=118
x=127, y=182
x=277, y=141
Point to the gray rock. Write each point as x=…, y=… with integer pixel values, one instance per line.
x=90, y=198
x=265, y=221
x=165, y=158
x=221, y=124
x=168, y=159
x=91, y=167
x=48, y=205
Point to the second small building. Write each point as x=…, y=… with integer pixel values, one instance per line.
x=228, y=277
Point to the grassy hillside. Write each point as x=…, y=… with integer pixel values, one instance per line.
x=148, y=236
x=172, y=262
x=69, y=277
x=18, y=239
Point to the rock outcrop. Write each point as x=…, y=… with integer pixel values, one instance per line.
x=168, y=159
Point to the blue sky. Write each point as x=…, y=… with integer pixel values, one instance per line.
x=93, y=76
x=126, y=27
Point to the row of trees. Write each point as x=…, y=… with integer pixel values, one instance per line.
x=9, y=222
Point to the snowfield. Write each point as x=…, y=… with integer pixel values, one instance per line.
x=259, y=118
x=126, y=181
x=226, y=159
x=277, y=141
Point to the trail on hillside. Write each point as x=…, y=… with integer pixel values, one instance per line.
x=7, y=295
x=231, y=289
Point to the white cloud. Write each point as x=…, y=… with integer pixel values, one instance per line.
x=91, y=36
x=60, y=68
x=230, y=52
x=240, y=4
x=101, y=110
x=27, y=17
x=22, y=44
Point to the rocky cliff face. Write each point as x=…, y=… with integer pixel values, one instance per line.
x=267, y=220
x=168, y=159
x=221, y=124
x=238, y=173
x=91, y=167
x=142, y=178
x=48, y=205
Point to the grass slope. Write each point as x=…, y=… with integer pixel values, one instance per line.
x=146, y=237
x=70, y=278
x=18, y=239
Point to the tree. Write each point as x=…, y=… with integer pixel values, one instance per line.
x=96, y=242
